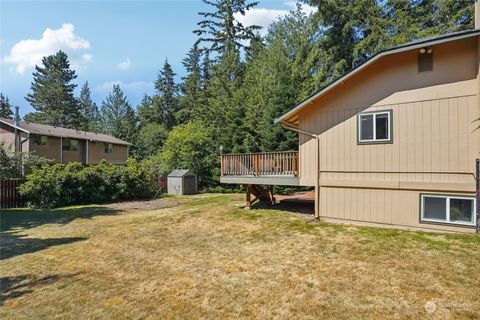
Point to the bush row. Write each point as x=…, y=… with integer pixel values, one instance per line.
x=72, y=183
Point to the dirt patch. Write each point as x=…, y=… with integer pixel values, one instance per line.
x=145, y=205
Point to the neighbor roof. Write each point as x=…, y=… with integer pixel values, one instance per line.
x=180, y=173
x=416, y=44
x=41, y=129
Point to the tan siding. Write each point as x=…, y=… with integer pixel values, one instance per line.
x=75, y=156
x=96, y=152
x=388, y=207
x=434, y=142
x=7, y=136
x=50, y=151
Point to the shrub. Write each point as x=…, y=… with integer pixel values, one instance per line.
x=72, y=183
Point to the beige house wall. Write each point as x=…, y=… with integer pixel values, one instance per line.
x=96, y=152
x=434, y=143
x=7, y=136
x=50, y=151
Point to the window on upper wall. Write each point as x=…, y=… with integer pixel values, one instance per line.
x=108, y=147
x=375, y=127
x=425, y=59
x=69, y=145
x=448, y=209
x=40, y=140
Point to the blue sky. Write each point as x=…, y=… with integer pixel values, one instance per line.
x=108, y=42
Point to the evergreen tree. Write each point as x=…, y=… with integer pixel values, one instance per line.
x=118, y=117
x=167, y=103
x=220, y=28
x=52, y=92
x=146, y=112
x=88, y=109
x=192, y=91
x=5, y=107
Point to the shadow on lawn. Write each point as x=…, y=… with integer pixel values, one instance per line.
x=302, y=207
x=12, y=222
x=14, y=287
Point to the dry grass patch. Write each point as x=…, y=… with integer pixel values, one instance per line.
x=204, y=257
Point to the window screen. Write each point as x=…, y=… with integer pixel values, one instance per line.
x=70, y=145
x=40, y=140
x=461, y=210
x=108, y=147
x=435, y=208
x=366, y=127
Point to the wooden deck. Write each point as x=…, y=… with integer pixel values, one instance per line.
x=269, y=168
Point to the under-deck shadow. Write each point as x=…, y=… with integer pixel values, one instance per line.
x=306, y=207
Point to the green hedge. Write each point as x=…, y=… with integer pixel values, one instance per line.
x=72, y=183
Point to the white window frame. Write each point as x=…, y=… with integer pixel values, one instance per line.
x=374, y=114
x=447, y=203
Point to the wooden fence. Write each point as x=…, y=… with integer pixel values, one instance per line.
x=9, y=196
x=162, y=184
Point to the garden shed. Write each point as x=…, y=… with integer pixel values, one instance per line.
x=182, y=182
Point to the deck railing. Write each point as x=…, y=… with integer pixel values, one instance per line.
x=260, y=164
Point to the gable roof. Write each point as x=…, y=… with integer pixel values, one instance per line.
x=416, y=44
x=41, y=129
x=181, y=173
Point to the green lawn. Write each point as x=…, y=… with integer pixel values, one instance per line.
x=204, y=257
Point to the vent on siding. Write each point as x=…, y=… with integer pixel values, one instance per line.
x=425, y=60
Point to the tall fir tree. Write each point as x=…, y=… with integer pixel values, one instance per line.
x=118, y=117
x=89, y=109
x=52, y=93
x=5, y=107
x=192, y=97
x=166, y=104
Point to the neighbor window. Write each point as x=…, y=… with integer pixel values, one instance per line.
x=448, y=209
x=108, y=147
x=375, y=127
x=40, y=140
x=70, y=145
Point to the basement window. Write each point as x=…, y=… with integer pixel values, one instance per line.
x=448, y=209
x=375, y=127
x=69, y=145
x=40, y=140
x=425, y=60
x=108, y=147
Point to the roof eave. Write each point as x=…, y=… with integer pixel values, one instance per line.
x=377, y=56
x=14, y=126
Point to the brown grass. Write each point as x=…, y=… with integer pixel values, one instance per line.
x=204, y=257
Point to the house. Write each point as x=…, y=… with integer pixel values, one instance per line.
x=60, y=145
x=392, y=142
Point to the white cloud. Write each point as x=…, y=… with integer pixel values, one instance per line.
x=28, y=53
x=264, y=17
x=305, y=7
x=124, y=65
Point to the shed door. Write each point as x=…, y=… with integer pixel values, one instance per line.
x=189, y=186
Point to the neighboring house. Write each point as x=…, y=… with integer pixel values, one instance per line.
x=60, y=145
x=392, y=142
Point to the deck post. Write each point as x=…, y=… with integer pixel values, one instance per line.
x=248, y=202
